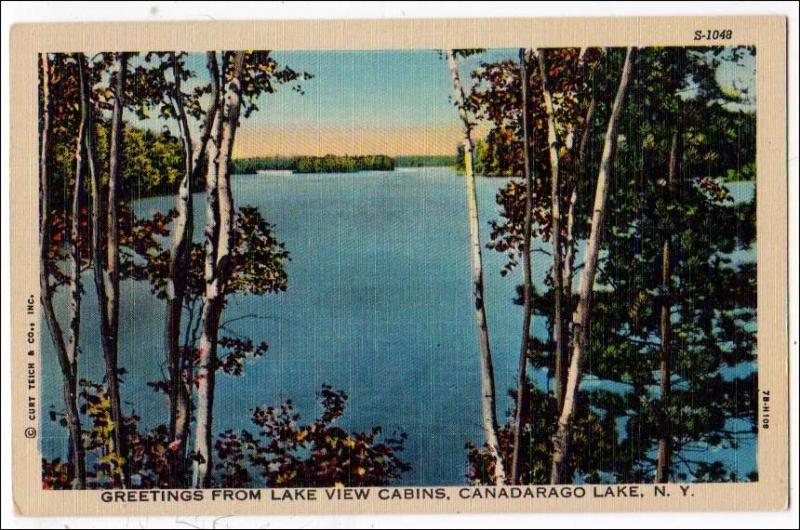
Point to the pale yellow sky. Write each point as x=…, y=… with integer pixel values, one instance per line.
x=288, y=139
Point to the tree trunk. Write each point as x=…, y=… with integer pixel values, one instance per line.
x=562, y=443
x=67, y=357
x=112, y=253
x=104, y=285
x=489, y=414
x=219, y=229
x=522, y=377
x=555, y=235
x=581, y=172
x=570, y=245
x=180, y=251
x=75, y=283
x=664, y=464
x=207, y=346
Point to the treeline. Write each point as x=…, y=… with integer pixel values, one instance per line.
x=248, y=166
x=154, y=163
x=313, y=164
x=338, y=164
x=425, y=161
x=343, y=164
x=92, y=164
x=650, y=347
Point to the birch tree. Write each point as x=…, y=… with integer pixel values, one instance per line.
x=580, y=173
x=66, y=349
x=178, y=272
x=527, y=296
x=561, y=440
x=218, y=234
x=106, y=267
x=488, y=407
x=555, y=231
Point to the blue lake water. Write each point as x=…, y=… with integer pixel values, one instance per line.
x=379, y=305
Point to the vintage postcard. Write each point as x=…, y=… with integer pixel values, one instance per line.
x=519, y=265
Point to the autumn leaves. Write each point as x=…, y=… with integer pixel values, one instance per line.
x=567, y=381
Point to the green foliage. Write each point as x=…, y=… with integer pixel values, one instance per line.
x=152, y=164
x=424, y=161
x=146, y=459
x=258, y=258
x=485, y=162
x=343, y=164
x=248, y=166
x=711, y=294
x=594, y=436
x=314, y=164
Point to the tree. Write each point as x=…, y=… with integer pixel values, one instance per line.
x=112, y=275
x=242, y=78
x=665, y=324
x=565, y=75
x=285, y=453
x=527, y=287
x=219, y=202
x=704, y=396
x=562, y=442
x=488, y=407
x=554, y=145
x=66, y=350
x=194, y=161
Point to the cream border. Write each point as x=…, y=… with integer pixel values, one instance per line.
x=767, y=33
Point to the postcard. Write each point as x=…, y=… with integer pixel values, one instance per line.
x=399, y=266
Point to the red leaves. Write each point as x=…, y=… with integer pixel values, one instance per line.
x=320, y=454
x=718, y=192
x=56, y=475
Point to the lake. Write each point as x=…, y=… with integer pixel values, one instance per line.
x=379, y=305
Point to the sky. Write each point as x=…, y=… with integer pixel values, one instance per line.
x=359, y=102
x=393, y=102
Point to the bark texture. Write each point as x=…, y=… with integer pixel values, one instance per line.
x=67, y=355
x=106, y=267
x=664, y=462
x=562, y=442
x=527, y=304
x=559, y=351
x=488, y=407
x=183, y=228
x=218, y=237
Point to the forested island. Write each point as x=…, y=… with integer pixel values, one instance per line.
x=343, y=164
x=336, y=164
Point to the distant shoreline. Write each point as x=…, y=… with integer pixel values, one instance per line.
x=337, y=164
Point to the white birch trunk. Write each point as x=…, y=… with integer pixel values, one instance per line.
x=555, y=234
x=527, y=304
x=488, y=407
x=562, y=443
x=219, y=225
x=183, y=228
x=67, y=355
